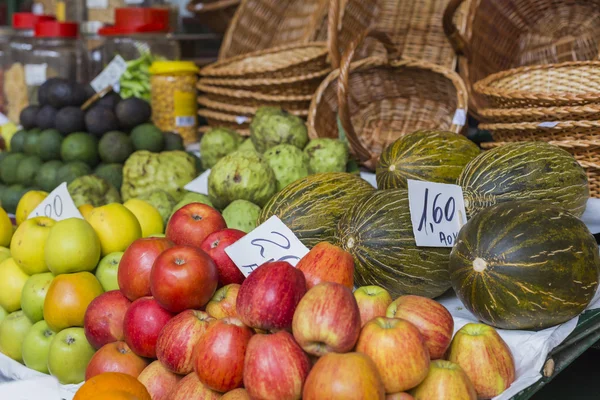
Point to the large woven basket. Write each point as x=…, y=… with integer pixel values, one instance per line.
x=240, y=123
x=240, y=109
x=586, y=152
x=379, y=100
x=544, y=131
x=505, y=34
x=241, y=97
x=587, y=112
x=217, y=15
x=565, y=84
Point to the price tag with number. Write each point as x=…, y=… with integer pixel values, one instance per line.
x=271, y=241
x=58, y=205
x=437, y=212
x=110, y=75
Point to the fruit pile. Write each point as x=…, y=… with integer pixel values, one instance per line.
x=60, y=143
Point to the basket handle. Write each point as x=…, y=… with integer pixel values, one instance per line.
x=458, y=42
x=363, y=154
x=333, y=18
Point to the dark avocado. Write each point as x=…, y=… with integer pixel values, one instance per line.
x=132, y=112
x=70, y=119
x=99, y=120
x=28, y=117
x=46, y=117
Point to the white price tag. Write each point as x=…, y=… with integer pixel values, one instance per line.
x=200, y=184
x=271, y=241
x=111, y=75
x=3, y=119
x=460, y=117
x=35, y=74
x=97, y=4
x=437, y=212
x=185, y=122
x=58, y=205
x=548, y=124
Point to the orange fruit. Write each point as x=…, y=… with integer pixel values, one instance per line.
x=112, y=386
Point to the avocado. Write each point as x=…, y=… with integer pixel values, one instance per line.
x=115, y=147
x=31, y=141
x=48, y=145
x=132, y=112
x=113, y=173
x=79, y=94
x=63, y=93
x=70, y=119
x=44, y=90
x=46, y=117
x=68, y=172
x=27, y=118
x=89, y=91
x=11, y=197
x=17, y=142
x=47, y=174
x=173, y=141
x=28, y=168
x=99, y=120
x=110, y=100
x=10, y=166
x=148, y=137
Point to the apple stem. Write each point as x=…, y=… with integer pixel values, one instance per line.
x=70, y=340
x=197, y=217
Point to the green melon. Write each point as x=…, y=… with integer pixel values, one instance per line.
x=524, y=171
x=378, y=233
x=312, y=206
x=434, y=156
x=525, y=265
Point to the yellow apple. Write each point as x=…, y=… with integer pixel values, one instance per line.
x=28, y=243
x=12, y=280
x=72, y=246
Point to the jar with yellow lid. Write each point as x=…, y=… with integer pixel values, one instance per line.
x=173, y=97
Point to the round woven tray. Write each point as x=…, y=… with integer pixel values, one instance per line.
x=589, y=112
x=238, y=122
x=240, y=110
x=206, y=128
x=247, y=98
x=570, y=83
x=544, y=131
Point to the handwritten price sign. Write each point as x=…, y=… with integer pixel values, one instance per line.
x=271, y=241
x=58, y=205
x=437, y=212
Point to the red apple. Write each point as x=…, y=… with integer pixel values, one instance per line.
x=103, y=322
x=399, y=396
x=350, y=376
x=236, y=394
x=372, y=301
x=327, y=263
x=275, y=367
x=222, y=304
x=182, y=278
x=327, y=320
x=191, y=224
x=398, y=349
x=177, y=340
x=268, y=297
x=214, y=245
x=485, y=358
x=115, y=357
x=445, y=380
x=143, y=322
x=190, y=388
x=158, y=380
x=219, y=360
x=136, y=264
x=432, y=319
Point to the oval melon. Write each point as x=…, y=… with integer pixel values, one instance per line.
x=434, y=156
x=312, y=206
x=524, y=171
x=525, y=265
x=378, y=233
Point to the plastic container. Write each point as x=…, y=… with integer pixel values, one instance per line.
x=174, y=106
x=140, y=37
x=21, y=46
x=94, y=46
x=5, y=34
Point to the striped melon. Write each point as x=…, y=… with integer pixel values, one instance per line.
x=378, y=233
x=312, y=206
x=525, y=265
x=525, y=171
x=434, y=156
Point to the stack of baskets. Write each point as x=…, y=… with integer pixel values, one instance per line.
x=556, y=103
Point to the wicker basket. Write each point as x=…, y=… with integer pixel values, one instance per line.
x=504, y=34
x=215, y=14
x=589, y=112
x=544, y=131
x=240, y=123
x=566, y=84
x=586, y=152
x=242, y=110
x=380, y=101
x=205, y=128
x=246, y=98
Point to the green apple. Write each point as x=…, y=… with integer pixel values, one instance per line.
x=69, y=355
x=28, y=243
x=12, y=332
x=3, y=313
x=72, y=246
x=158, y=235
x=36, y=346
x=4, y=253
x=33, y=295
x=107, y=271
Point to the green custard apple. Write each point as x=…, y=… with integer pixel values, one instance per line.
x=241, y=176
x=326, y=155
x=216, y=144
x=91, y=189
x=247, y=145
x=272, y=126
x=242, y=215
x=288, y=162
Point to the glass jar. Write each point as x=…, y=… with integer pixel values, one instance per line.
x=5, y=34
x=57, y=52
x=20, y=48
x=174, y=105
x=94, y=46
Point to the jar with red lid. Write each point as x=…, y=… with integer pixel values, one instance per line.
x=20, y=48
x=140, y=36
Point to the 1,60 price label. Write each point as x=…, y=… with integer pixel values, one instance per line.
x=58, y=205
x=437, y=212
x=271, y=241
